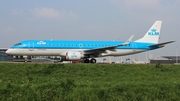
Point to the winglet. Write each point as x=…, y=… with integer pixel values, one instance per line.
x=127, y=42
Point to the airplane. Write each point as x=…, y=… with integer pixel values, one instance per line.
x=87, y=51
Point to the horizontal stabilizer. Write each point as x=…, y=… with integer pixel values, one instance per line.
x=161, y=44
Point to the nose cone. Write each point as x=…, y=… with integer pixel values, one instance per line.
x=8, y=51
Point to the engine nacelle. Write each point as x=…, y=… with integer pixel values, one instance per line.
x=74, y=56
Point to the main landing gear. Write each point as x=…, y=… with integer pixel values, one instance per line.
x=25, y=58
x=89, y=61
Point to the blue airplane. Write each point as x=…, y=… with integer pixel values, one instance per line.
x=89, y=50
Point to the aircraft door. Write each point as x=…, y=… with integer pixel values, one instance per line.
x=134, y=46
x=31, y=45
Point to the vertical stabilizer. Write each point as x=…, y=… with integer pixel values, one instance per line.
x=153, y=34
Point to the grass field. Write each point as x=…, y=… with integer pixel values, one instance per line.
x=89, y=82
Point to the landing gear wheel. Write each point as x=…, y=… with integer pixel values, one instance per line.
x=86, y=60
x=93, y=60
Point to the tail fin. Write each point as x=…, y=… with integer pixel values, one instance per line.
x=153, y=34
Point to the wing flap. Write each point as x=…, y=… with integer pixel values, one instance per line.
x=100, y=50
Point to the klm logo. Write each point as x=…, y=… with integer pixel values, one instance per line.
x=74, y=55
x=153, y=32
x=41, y=43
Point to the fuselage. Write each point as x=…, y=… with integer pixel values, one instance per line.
x=60, y=47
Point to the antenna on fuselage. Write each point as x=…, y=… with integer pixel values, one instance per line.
x=52, y=37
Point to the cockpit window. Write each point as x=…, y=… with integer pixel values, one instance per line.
x=18, y=44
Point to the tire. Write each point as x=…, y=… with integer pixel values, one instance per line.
x=93, y=60
x=86, y=60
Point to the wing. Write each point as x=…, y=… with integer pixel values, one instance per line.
x=103, y=49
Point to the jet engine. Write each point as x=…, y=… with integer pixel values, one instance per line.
x=74, y=56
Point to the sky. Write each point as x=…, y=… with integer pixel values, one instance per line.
x=89, y=20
